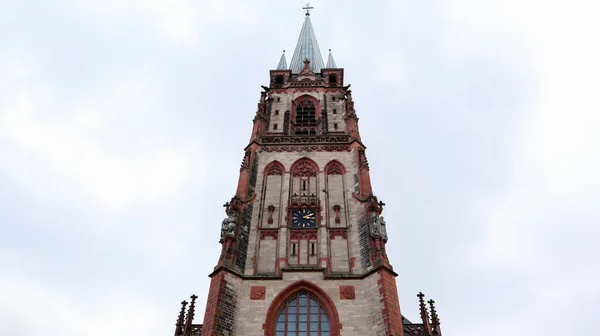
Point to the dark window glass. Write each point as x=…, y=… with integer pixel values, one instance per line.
x=302, y=315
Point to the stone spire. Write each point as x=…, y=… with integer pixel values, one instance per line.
x=307, y=49
x=330, y=61
x=282, y=62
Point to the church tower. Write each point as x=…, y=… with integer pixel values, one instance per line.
x=304, y=239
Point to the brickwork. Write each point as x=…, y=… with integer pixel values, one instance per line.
x=358, y=316
x=337, y=190
x=227, y=308
x=253, y=175
x=272, y=197
x=336, y=197
x=339, y=254
x=210, y=314
x=365, y=247
x=335, y=113
x=305, y=152
x=391, y=311
x=267, y=255
x=241, y=252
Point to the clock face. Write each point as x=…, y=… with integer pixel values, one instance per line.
x=304, y=218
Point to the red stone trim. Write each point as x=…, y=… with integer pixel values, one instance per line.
x=212, y=304
x=307, y=148
x=391, y=311
x=274, y=168
x=303, y=234
x=338, y=232
x=294, y=288
x=305, y=167
x=306, y=89
x=347, y=293
x=334, y=167
x=352, y=263
x=269, y=233
x=258, y=292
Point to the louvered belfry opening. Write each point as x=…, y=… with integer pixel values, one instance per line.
x=306, y=118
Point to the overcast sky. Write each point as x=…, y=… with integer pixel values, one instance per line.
x=123, y=123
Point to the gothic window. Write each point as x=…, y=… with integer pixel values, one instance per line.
x=278, y=79
x=304, y=178
x=302, y=315
x=304, y=168
x=274, y=168
x=306, y=118
x=334, y=168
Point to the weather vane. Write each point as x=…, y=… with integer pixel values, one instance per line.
x=308, y=8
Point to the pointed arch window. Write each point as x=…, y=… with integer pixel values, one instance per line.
x=302, y=315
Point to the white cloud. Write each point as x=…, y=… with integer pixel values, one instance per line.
x=181, y=21
x=49, y=143
x=30, y=308
x=65, y=149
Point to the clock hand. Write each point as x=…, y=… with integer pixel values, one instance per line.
x=307, y=216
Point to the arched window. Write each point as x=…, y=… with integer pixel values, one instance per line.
x=302, y=315
x=306, y=118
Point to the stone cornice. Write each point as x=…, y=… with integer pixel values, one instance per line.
x=331, y=276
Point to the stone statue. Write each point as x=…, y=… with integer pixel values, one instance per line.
x=382, y=226
x=378, y=227
x=375, y=226
x=228, y=225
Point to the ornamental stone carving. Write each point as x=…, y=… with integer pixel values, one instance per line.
x=347, y=293
x=378, y=227
x=258, y=292
x=228, y=225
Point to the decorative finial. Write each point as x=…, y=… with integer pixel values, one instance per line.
x=307, y=8
x=434, y=315
x=180, y=320
x=329, y=50
x=190, y=315
x=381, y=205
x=284, y=51
x=424, y=314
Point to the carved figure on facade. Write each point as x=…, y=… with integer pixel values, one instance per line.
x=258, y=292
x=347, y=292
x=378, y=227
x=228, y=225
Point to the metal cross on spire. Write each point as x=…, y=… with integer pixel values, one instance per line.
x=308, y=8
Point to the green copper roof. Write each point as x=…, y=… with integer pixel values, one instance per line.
x=330, y=61
x=282, y=62
x=307, y=48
